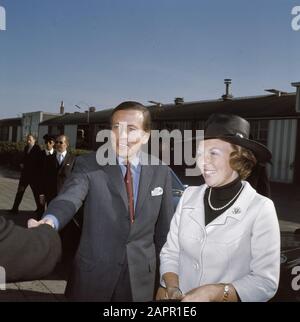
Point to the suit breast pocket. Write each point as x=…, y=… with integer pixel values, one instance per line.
x=157, y=191
x=156, y=199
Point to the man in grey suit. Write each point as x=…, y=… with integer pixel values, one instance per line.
x=125, y=222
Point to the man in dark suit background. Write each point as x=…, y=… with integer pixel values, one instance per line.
x=30, y=172
x=57, y=165
x=125, y=223
x=47, y=153
x=28, y=254
x=65, y=161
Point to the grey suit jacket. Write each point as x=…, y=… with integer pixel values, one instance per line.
x=107, y=237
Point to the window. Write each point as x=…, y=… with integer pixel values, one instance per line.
x=4, y=131
x=259, y=131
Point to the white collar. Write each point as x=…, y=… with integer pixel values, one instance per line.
x=62, y=153
x=237, y=210
x=49, y=152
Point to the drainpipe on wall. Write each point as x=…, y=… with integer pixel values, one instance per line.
x=297, y=85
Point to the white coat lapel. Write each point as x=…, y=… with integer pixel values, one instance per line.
x=194, y=203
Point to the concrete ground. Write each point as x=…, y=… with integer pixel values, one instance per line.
x=51, y=288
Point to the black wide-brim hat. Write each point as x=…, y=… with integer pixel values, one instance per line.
x=236, y=130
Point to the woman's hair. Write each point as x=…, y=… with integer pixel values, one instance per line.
x=242, y=161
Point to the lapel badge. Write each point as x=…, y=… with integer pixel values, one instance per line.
x=236, y=210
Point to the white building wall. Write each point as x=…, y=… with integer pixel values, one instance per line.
x=71, y=133
x=30, y=123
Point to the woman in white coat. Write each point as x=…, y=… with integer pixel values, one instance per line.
x=224, y=239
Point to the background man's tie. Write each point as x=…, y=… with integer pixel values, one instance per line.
x=60, y=159
x=129, y=189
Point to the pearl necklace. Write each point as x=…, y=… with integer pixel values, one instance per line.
x=228, y=203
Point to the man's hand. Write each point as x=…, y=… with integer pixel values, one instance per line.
x=174, y=293
x=171, y=293
x=34, y=223
x=161, y=294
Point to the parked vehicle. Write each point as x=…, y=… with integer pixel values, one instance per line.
x=289, y=285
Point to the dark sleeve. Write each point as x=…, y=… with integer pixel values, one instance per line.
x=38, y=157
x=70, y=198
x=42, y=171
x=72, y=164
x=163, y=222
x=73, y=161
x=22, y=161
x=28, y=254
x=166, y=213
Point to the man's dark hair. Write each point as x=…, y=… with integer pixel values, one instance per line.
x=134, y=106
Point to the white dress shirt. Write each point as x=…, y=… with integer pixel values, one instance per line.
x=60, y=157
x=49, y=152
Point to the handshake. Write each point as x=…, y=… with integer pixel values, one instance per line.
x=32, y=223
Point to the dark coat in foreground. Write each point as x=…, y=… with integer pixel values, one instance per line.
x=28, y=254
